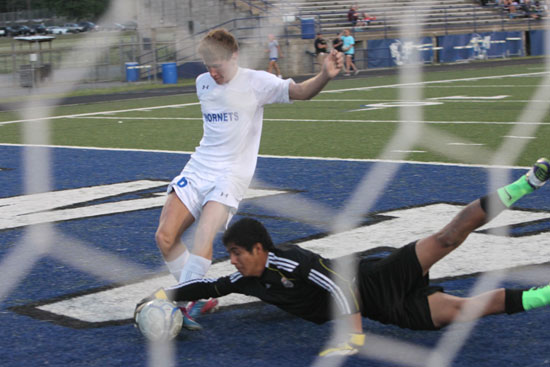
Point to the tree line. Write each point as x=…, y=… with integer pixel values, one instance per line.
x=74, y=9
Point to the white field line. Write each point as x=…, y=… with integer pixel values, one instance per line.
x=484, y=86
x=472, y=98
x=466, y=144
x=407, y=151
x=450, y=99
x=120, y=118
x=316, y=100
x=422, y=121
x=279, y=156
x=401, y=85
x=99, y=113
x=491, y=253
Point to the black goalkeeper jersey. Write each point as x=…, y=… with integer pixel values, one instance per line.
x=296, y=280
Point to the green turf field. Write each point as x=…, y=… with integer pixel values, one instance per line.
x=466, y=116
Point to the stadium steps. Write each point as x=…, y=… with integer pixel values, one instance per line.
x=331, y=15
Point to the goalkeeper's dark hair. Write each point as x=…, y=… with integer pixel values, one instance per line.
x=246, y=233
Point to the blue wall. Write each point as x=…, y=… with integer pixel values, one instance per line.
x=451, y=48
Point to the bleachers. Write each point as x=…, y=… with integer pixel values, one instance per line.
x=447, y=15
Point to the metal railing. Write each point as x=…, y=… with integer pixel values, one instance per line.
x=251, y=6
x=281, y=7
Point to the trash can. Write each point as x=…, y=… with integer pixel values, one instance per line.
x=26, y=76
x=45, y=71
x=132, y=72
x=169, y=73
x=308, y=28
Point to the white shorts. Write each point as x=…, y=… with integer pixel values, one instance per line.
x=194, y=193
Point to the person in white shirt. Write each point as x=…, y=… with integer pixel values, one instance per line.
x=274, y=53
x=216, y=177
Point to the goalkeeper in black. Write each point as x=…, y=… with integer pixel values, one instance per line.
x=393, y=290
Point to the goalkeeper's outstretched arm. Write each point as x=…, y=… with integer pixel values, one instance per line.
x=193, y=290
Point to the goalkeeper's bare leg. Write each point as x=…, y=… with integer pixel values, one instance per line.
x=446, y=308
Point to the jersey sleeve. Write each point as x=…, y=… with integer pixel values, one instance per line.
x=202, y=83
x=201, y=288
x=270, y=89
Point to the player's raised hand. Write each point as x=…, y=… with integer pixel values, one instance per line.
x=311, y=87
x=334, y=62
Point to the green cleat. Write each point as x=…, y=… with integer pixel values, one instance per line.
x=539, y=173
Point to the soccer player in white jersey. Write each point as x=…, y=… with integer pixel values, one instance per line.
x=215, y=179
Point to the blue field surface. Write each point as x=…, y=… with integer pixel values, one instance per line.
x=256, y=334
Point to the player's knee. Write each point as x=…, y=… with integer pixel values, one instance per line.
x=447, y=313
x=165, y=241
x=446, y=318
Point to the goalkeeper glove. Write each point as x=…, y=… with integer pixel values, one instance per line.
x=350, y=347
x=159, y=294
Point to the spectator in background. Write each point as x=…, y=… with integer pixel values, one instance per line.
x=320, y=48
x=541, y=9
x=534, y=9
x=353, y=15
x=337, y=42
x=513, y=9
x=349, y=51
x=527, y=8
x=365, y=19
x=506, y=5
x=274, y=53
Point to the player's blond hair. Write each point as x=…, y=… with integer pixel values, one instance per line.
x=218, y=44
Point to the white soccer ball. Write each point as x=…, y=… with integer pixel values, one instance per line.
x=159, y=320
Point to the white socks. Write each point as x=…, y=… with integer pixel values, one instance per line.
x=195, y=268
x=188, y=266
x=176, y=266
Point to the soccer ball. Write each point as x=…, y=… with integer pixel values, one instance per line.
x=159, y=320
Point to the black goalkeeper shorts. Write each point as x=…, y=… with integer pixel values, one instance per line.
x=394, y=291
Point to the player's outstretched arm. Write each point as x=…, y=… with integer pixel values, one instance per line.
x=310, y=88
x=193, y=290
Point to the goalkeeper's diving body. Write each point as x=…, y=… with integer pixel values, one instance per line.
x=392, y=290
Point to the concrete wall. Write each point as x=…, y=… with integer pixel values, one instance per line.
x=180, y=19
x=191, y=15
x=295, y=61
